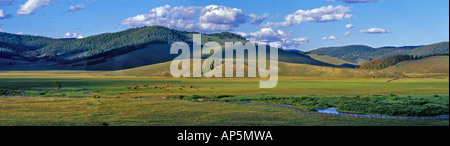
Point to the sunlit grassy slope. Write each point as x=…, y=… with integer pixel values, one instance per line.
x=285, y=69
x=436, y=64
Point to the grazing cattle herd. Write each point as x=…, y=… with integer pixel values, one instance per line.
x=166, y=88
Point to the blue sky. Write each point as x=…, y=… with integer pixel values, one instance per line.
x=293, y=24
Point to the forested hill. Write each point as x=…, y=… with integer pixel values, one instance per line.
x=25, y=42
x=111, y=51
x=17, y=46
x=149, y=45
x=128, y=39
x=43, y=47
x=27, y=46
x=361, y=54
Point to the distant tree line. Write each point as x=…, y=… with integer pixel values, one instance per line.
x=227, y=35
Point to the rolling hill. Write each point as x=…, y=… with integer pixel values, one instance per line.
x=435, y=64
x=285, y=69
x=360, y=54
x=144, y=46
x=334, y=61
x=111, y=51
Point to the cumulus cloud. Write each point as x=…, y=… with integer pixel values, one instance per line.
x=256, y=19
x=375, y=31
x=357, y=1
x=349, y=26
x=215, y=14
x=172, y=17
x=332, y=37
x=266, y=35
x=295, y=42
x=277, y=38
x=31, y=5
x=77, y=7
x=81, y=5
x=3, y=15
x=210, y=18
x=347, y=33
x=72, y=35
x=20, y=33
x=323, y=14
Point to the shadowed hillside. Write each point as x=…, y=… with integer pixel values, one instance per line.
x=361, y=54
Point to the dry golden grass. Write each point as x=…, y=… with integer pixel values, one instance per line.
x=433, y=65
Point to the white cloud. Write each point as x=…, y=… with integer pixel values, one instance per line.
x=347, y=33
x=172, y=17
x=72, y=35
x=357, y=1
x=215, y=14
x=267, y=35
x=256, y=19
x=242, y=34
x=81, y=5
x=323, y=14
x=77, y=7
x=3, y=15
x=20, y=33
x=277, y=38
x=349, y=26
x=210, y=18
x=31, y=5
x=295, y=42
x=375, y=31
x=332, y=37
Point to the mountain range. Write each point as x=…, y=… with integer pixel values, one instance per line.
x=360, y=53
x=144, y=46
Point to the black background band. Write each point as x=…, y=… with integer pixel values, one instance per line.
x=281, y=135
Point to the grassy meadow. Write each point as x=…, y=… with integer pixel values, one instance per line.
x=91, y=98
x=143, y=112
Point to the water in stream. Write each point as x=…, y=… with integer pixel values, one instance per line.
x=333, y=110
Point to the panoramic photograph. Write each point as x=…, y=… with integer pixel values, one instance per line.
x=224, y=63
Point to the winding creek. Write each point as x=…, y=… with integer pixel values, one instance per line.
x=334, y=110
